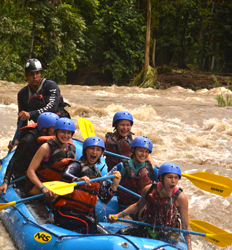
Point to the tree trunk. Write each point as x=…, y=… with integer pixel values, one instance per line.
x=32, y=39
x=148, y=34
x=153, y=53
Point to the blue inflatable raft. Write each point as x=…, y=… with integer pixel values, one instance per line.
x=31, y=225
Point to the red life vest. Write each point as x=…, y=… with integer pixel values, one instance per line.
x=58, y=160
x=45, y=138
x=121, y=146
x=134, y=182
x=161, y=211
x=85, y=197
x=33, y=125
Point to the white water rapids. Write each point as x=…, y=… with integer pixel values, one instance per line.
x=186, y=128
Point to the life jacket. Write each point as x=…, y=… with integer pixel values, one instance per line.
x=134, y=182
x=19, y=164
x=30, y=126
x=121, y=147
x=161, y=211
x=45, y=138
x=52, y=169
x=84, y=197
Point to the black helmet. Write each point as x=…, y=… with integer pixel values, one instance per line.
x=32, y=65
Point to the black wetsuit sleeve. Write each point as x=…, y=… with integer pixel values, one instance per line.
x=51, y=93
x=105, y=192
x=71, y=172
x=15, y=164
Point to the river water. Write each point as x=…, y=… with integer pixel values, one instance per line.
x=186, y=127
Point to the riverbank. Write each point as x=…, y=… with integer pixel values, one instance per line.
x=167, y=77
x=187, y=79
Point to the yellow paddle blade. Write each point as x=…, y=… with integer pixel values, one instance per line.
x=59, y=187
x=5, y=205
x=86, y=127
x=214, y=234
x=212, y=183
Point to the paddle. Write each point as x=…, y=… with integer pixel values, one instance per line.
x=16, y=133
x=57, y=187
x=220, y=237
x=214, y=234
x=63, y=188
x=216, y=184
x=12, y=203
x=86, y=127
x=212, y=183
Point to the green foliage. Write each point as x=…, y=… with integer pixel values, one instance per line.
x=48, y=31
x=110, y=35
x=120, y=38
x=146, y=78
x=224, y=100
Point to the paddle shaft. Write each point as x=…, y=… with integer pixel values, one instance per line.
x=17, y=180
x=12, y=203
x=163, y=227
x=126, y=190
x=16, y=133
x=97, y=179
x=30, y=198
x=116, y=155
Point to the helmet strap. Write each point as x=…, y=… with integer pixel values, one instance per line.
x=162, y=176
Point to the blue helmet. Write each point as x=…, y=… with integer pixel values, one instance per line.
x=142, y=141
x=93, y=141
x=122, y=115
x=66, y=124
x=169, y=168
x=47, y=120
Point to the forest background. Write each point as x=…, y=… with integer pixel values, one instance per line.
x=104, y=41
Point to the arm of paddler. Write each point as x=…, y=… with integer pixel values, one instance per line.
x=155, y=173
x=132, y=209
x=108, y=190
x=182, y=203
x=42, y=152
x=152, y=161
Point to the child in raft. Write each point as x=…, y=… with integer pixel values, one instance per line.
x=75, y=211
x=164, y=204
x=31, y=140
x=51, y=159
x=120, y=140
x=136, y=173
